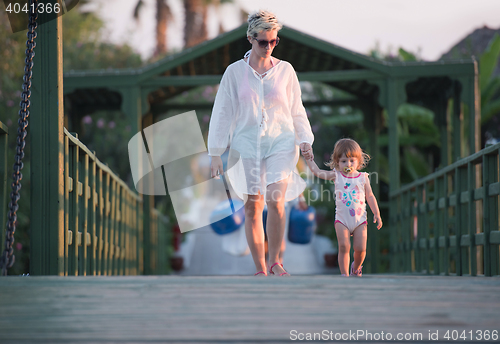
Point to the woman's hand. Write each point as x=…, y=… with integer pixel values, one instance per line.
x=306, y=150
x=216, y=167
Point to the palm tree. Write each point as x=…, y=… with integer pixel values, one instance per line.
x=163, y=16
x=195, y=25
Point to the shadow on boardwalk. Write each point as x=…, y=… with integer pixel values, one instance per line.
x=236, y=309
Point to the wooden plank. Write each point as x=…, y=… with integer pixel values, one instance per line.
x=223, y=309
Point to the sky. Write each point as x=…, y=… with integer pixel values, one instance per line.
x=429, y=27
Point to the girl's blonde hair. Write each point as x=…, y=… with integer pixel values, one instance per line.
x=260, y=21
x=351, y=149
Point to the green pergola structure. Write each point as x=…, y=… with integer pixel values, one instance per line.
x=375, y=85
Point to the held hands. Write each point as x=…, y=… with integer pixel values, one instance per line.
x=216, y=167
x=306, y=150
x=378, y=220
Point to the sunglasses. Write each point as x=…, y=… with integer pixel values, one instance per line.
x=264, y=43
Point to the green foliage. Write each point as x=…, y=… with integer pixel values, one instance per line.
x=488, y=61
x=407, y=56
x=391, y=56
x=84, y=46
x=490, y=85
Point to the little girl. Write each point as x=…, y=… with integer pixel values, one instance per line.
x=352, y=188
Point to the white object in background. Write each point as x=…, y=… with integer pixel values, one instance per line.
x=322, y=245
x=235, y=243
x=186, y=249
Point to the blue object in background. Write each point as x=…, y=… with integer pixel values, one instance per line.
x=264, y=219
x=224, y=157
x=302, y=225
x=230, y=223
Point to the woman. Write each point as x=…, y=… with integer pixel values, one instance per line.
x=258, y=110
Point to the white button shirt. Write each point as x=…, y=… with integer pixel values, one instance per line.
x=263, y=120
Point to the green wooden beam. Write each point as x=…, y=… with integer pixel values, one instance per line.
x=431, y=69
x=200, y=80
x=161, y=108
x=189, y=54
x=470, y=95
x=131, y=107
x=47, y=162
x=341, y=75
x=457, y=123
x=97, y=80
x=393, y=100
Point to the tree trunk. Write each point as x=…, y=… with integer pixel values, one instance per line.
x=162, y=17
x=195, y=27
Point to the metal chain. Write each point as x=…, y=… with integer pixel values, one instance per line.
x=7, y=259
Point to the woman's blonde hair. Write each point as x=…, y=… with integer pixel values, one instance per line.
x=260, y=21
x=351, y=149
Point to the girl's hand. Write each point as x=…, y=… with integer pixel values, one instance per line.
x=306, y=150
x=216, y=167
x=378, y=220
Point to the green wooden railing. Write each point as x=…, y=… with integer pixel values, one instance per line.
x=448, y=222
x=3, y=183
x=104, y=221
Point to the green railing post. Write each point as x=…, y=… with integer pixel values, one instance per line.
x=91, y=251
x=472, y=218
x=493, y=191
x=100, y=221
x=427, y=230
x=490, y=209
x=419, y=255
x=457, y=122
x=46, y=137
x=458, y=221
x=73, y=210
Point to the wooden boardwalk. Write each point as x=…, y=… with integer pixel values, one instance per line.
x=241, y=309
